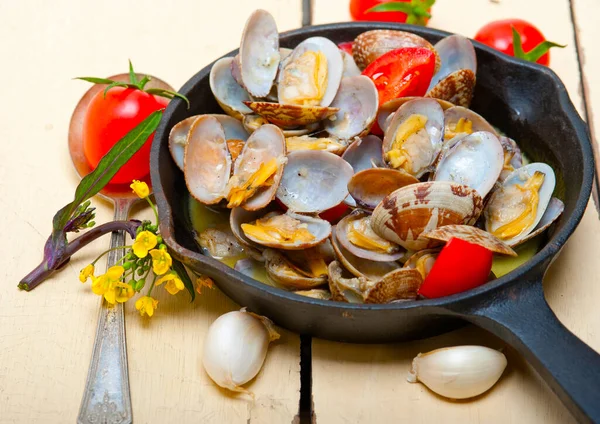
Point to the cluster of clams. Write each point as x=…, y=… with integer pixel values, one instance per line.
x=295, y=142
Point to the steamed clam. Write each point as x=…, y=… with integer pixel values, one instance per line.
x=294, y=154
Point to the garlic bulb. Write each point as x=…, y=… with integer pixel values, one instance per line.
x=235, y=348
x=458, y=372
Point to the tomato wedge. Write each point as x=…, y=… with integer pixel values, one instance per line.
x=346, y=46
x=403, y=72
x=460, y=266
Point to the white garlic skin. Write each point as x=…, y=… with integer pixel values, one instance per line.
x=458, y=372
x=235, y=348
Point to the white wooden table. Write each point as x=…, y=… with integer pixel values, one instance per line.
x=46, y=335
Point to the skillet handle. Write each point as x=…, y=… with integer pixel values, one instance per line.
x=521, y=317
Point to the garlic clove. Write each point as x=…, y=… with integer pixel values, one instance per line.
x=458, y=372
x=235, y=348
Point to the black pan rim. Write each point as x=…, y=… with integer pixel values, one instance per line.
x=535, y=267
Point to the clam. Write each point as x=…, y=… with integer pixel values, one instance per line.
x=370, y=45
x=472, y=235
x=305, y=142
x=474, y=160
x=518, y=205
x=290, y=276
x=459, y=120
x=400, y=284
x=228, y=93
x=368, y=187
x=513, y=159
x=314, y=181
x=253, y=122
x=239, y=216
x=357, y=101
x=414, y=137
x=360, y=267
x=355, y=234
x=258, y=169
x=236, y=70
x=219, y=244
x=207, y=162
x=315, y=294
x=311, y=74
x=553, y=211
x=350, y=68
x=387, y=109
x=290, y=116
x=234, y=133
x=259, y=53
x=422, y=261
x=365, y=153
x=289, y=231
x=407, y=213
x=455, y=80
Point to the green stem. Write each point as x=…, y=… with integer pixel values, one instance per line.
x=151, y=286
x=153, y=208
x=110, y=250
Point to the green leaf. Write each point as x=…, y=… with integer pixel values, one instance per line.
x=132, y=77
x=394, y=6
x=416, y=10
x=168, y=94
x=115, y=84
x=182, y=272
x=116, y=157
x=534, y=54
x=143, y=82
x=95, y=80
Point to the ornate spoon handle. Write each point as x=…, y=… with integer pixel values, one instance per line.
x=106, y=398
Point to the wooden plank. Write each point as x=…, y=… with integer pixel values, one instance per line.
x=367, y=383
x=47, y=334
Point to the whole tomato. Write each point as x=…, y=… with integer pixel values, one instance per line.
x=409, y=11
x=533, y=44
x=109, y=118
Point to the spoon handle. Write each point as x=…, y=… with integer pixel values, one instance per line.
x=106, y=398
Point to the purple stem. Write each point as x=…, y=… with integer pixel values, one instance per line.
x=53, y=263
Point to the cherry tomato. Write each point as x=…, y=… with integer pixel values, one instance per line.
x=333, y=215
x=460, y=266
x=402, y=72
x=110, y=118
x=347, y=47
x=358, y=10
x=499, y=35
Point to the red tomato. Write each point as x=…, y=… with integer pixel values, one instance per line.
x=358, y=9
x=333, y=215
x=498, y=34
x=460, y=266
x=347, y=47
x=110, y=118
x=402, y=72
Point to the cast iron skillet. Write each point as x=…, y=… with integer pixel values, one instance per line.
x=527, y=101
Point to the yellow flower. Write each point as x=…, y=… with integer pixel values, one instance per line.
x=104, y=285
x=144, y=241
x=86, y=273
x=140, y=188
x=203, y=281
x=161, y=261
x=174, y=283
x=119, y=292
x=146, y=305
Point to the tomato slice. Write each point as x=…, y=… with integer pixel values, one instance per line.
x=334, y=214
x=402, y=72
x=346, y=46
x=460, y=266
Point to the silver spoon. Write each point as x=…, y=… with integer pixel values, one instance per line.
x=107, y=398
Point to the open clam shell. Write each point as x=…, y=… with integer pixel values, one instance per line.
x=259, y=53
x=357, y=101
x=253, y=122
x=474, y=160
x=239, y=216
x=207, y=162
x=553, y=212
x=299, y=79
x=315, y=294
x=350, y=68
x=365, y=153
x=360, y=267
x=370, y=186
x=513, y=158
x=228, y=93
x=472, y=235
x=264, y=145
x=359, y=222
x=387, y=109
x=419, y=144
x=455, y=80
x=460, y=119
x=422, y=261
x=305, y=142
x=179, y=134
x=314, y=181
x=287, y=274
x=509, y=214
x=407, y=213
x=280, y=231
x=291, y=116
x=370, y=45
